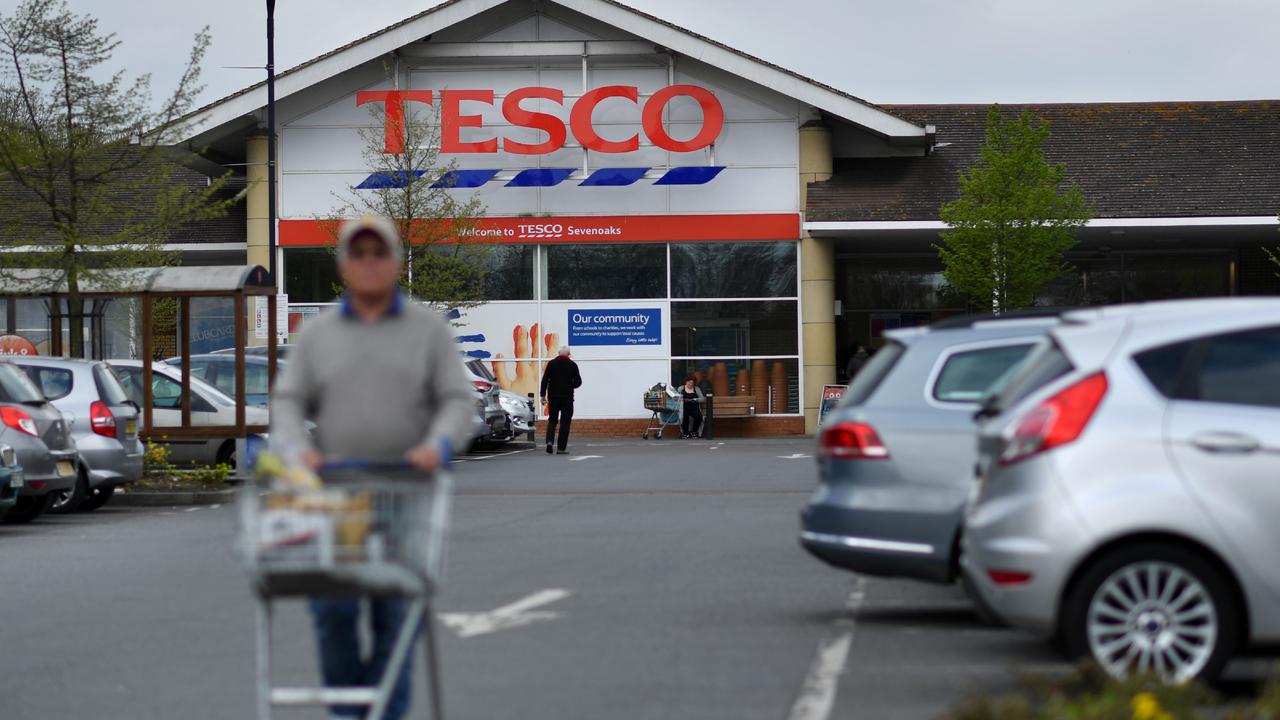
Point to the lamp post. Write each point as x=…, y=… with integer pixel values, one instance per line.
x=271, y=144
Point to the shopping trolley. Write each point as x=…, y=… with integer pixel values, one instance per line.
x=665, y=406
x=372, y=529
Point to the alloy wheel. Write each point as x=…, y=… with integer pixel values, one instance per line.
x=1152, y=617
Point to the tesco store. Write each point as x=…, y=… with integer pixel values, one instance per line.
x=645, y=192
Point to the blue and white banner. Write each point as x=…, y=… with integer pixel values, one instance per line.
x=621, y=326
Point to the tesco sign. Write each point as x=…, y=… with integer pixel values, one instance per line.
x=580, y=122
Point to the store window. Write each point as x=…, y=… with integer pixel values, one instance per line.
x=606, y=272
x=733, y=270
x=726, y=329
x=310, y=274
x=774, y=384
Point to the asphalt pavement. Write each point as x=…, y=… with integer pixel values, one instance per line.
x=630, y=580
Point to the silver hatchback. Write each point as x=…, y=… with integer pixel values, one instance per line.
x=1130, y=487
x=895, y=458
x=103, y=422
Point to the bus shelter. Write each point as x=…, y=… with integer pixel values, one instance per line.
x=144, y=286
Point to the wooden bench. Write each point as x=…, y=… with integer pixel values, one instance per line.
x=724, y=406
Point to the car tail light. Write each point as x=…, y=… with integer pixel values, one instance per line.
x=1056, y=421
x=852, y=440
x=100, y=417
x=1009, y=577
x=19, y=420
x=482, y=385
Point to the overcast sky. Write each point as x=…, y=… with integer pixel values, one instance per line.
x=887, y=51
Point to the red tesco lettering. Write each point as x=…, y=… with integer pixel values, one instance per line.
x=452, y=119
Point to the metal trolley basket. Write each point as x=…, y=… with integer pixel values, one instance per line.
x=665, y=408
x=371, y=530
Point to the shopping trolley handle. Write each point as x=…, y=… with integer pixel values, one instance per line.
x=365, y=464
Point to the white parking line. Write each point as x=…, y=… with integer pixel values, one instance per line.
x=490, y=457
x=818, y=694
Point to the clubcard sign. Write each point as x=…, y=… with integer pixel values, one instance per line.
x=631, y=326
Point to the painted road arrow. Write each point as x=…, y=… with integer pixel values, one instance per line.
x=793, y=456
x=517, y=614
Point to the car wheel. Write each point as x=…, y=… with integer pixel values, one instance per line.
x=97, y=498
x=1152, y=608
x=227, y=454
x=28, y=509
x=68, y=501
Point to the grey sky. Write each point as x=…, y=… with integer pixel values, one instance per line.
x=889, y=51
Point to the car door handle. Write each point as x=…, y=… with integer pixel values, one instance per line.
x=1225, y=442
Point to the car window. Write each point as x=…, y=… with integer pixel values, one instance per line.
x=109, y=387
x=15, y=386
x=1046, y=363
x=872, y=373
x=226, y=381
x=166, y=393
x=1163, y=366
x=200, y=368
x=1242, y=369
x=55, y=383
x=255, y=380
x=967, y=376
x=478, y=367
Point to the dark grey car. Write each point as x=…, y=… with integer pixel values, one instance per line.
x=896, y=456
x=38, y=433
x=102, y=420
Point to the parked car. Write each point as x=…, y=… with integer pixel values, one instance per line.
x=1128, y=489
x=518, y=408
x=42, y=444
x=11, y=479
x=895, y=457
x=282, y=351
x=209, y=406
x=103, y=422
x=219, y=370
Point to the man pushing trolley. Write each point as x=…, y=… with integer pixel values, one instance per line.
x=355, y=516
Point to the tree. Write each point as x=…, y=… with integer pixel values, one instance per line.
x=82, y=154
x=1014, y=221
x=1274, y=257
x=445, y=258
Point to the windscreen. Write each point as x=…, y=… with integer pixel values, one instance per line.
x=15, y=386
x=873, y=373
x=1045, y=364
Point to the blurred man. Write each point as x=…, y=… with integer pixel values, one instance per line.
x=382, y=381
x=559, y=381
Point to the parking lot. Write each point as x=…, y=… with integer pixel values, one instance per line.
x=659, y=580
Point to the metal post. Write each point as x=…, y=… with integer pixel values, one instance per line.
x=432, y=650
x=271, y=143
x=184, y=351
x=241, y=329
x=147, y=342
x=271, y=341
x=709, y=422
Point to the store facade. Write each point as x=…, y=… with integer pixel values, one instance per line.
x=668, y=206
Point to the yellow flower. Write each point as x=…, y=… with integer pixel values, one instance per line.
x=1147, y=707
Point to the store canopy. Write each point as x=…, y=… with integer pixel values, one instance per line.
x=186, y=280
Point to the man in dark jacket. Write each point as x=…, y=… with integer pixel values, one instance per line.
x=559, y=381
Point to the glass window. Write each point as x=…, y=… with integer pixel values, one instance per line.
x=32, y=322
x=734, y=328
x=1243, y=369
x=871, y=374
x=1046, y=364
x=967, y=376
x=55, y=383
x=109, y=387
x=1163, y=366
x=606, y=272
x=310, y=274
x=213, y=324
x=15, y=386
x=510, y=272
x=773, y=384
x=727, y=270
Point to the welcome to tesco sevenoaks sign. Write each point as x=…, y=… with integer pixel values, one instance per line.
x=580, y=122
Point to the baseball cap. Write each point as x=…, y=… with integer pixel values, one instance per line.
x=378, y=226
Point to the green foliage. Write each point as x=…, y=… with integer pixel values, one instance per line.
x=440, y=268
x=159, y=473
x=1088, y=693
x=85, y=170
x=1014, y=221
x=1274, y=257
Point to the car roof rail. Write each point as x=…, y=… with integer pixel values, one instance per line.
x=1033, y=313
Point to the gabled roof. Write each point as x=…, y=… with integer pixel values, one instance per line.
x=451, y=12
x=1131, y=160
